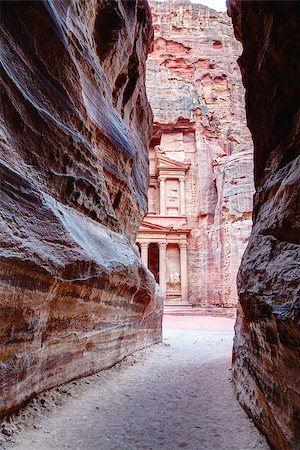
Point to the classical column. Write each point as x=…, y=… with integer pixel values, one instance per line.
x=184, y=270
x=163, y=267
x=162, y=196
x=182, y=196
x=144, y=252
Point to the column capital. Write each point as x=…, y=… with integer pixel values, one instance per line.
x=144, y=244
x=182, y=244
x=181, y=178
x=162, y=245
x=162, y=178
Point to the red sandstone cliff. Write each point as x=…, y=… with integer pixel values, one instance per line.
x=196, y=94
x=75, y=125
x=267, y=334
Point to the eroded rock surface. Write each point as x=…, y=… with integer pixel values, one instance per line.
x=195, y=90
x=267, y=335
x=74, y=295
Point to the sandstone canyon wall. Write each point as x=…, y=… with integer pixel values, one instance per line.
x=75, y=128
x=266, y=357
x=196, y=94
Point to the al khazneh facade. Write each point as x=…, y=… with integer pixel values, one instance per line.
x=201, y=183
x=163, y=236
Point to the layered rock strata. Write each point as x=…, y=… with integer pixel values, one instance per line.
x=196, y=94
x=266, y=353
x=75, y=127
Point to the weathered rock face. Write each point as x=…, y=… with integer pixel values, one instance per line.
x=195, y=90
x=267, y=337
x=74, y=295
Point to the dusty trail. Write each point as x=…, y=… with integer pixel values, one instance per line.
x=171, y=396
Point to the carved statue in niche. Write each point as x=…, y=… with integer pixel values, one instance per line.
x=174, y=278
x=151, y=204
x=152, y=200
x=173, y=195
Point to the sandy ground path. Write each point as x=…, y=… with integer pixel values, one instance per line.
x=171, y=396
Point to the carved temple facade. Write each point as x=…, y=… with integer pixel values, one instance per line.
x=164, y=235
x=201, y=157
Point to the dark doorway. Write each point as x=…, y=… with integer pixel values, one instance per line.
x=153, y=260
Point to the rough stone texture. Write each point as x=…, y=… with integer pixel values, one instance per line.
x=195, y=90
x=267, y=334
x=75, y=126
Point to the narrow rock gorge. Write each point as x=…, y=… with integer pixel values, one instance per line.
x=266, y=357
x=76, y=145
x=74, y=294
x=202, y=147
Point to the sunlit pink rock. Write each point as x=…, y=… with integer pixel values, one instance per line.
x=196, y=94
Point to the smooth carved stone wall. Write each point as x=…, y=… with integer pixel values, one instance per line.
x=196, y=94
x=74, y=295
x=267, y=333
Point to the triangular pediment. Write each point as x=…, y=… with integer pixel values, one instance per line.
x=167, y=163
x=152, y=227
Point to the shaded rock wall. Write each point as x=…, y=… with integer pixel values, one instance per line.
x=75, y=126
x=196, y=94
x=267, y=335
